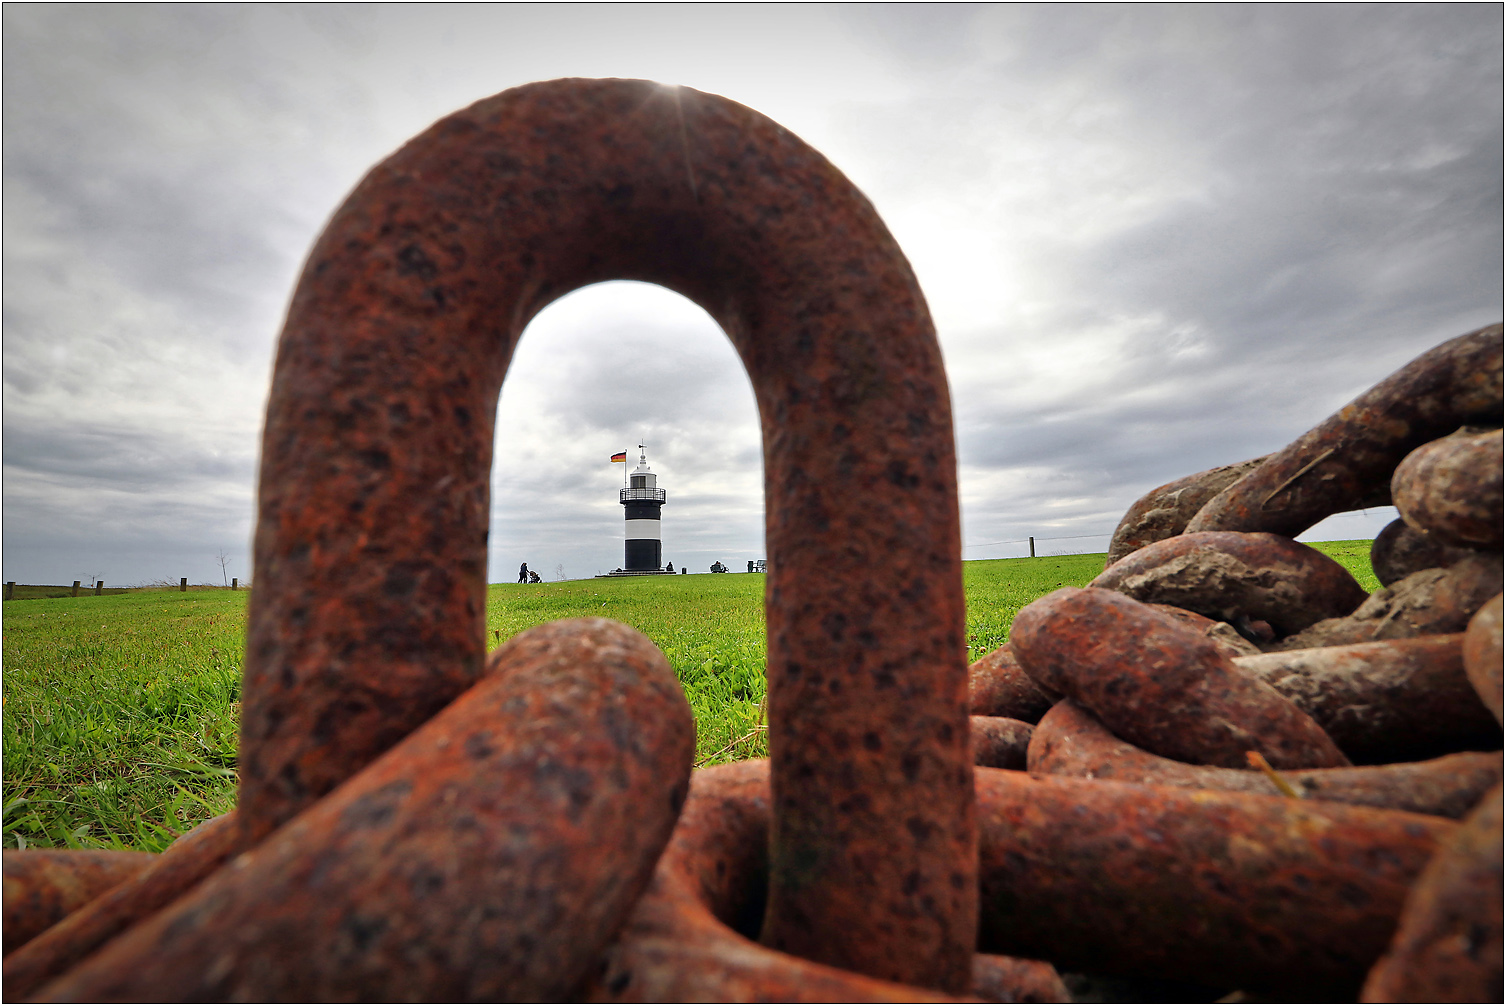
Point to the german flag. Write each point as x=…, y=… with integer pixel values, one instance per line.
x=620, y=456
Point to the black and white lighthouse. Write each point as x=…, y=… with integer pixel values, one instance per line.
x=642, y=500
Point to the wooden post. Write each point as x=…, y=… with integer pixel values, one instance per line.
x=99, y=587
x=75, y=588
x=10, y=590
x=183, y=585
x=1032, y=546
x=235, y=583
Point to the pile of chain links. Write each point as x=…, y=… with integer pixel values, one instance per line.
x=1216, y=653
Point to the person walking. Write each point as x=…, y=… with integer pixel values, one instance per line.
x=523, y=573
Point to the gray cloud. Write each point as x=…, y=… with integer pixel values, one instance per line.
x=1154, y=239
x=1260, y=212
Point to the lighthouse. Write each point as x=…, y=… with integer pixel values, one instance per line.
x=642, y=500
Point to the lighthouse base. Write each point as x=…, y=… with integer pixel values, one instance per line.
x=642, y=553
x=635, y=572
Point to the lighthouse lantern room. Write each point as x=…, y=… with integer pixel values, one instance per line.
x=642, y=500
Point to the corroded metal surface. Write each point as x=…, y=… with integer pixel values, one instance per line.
x=1346, y=461
x=996, y=686
x=1392, y=701
x=1221, y=634
x=1228, y=575
x=1161, y=685
x=1451, y=489
x=373, y=505
x=185, y=863
x=1229, y=889
x=467, y=864
x=1428, y=602
x=1448, y=945
x=692, y=936
x=998, y=979
x=1165, y=510
x=1482, y=655
x=1070, y=742
x=44, y=885
x=999, y=742
x=1399, y=551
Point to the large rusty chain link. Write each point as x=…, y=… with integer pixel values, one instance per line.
x=367, y=619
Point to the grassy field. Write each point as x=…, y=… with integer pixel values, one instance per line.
x=121, y=711
x=31, y=592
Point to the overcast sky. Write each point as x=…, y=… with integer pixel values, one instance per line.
x=1153, y=239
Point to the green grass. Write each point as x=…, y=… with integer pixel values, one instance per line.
x=33, y=592
x=998, y=588
x=1353, y=556
x=121, y=716
x=710, y=628
x=121, y=711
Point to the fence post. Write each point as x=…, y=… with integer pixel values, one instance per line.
x=99, y=587
x=235, y=583
x=10, y=589
x=183, y=585
x=75, y=588
x=1032, y=546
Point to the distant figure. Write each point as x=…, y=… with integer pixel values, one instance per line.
x=669, y=567
x=717, y=567
x=523, y=573
x=533, y=577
